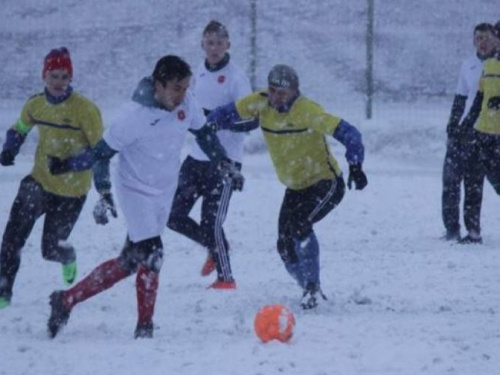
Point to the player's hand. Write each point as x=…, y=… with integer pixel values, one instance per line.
x=357, y=176
x=7, y=158
x=104, y=205
x=57, y=165
x=231, y=174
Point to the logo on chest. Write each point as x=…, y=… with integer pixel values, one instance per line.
x=221, y=79
x=154, y=122
x=181, y=115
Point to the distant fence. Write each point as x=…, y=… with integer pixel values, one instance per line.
x=415, y=48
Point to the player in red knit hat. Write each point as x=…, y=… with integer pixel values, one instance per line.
x=68, y=125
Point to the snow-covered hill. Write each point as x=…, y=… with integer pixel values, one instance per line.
x=418, y=49
x=116, y=42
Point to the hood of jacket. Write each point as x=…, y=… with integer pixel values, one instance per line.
x=144, y=94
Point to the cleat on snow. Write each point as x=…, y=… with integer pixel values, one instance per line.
x=59, y=314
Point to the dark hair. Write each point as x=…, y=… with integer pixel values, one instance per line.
x=485, y=26
x=216, y=27
x=169, y=68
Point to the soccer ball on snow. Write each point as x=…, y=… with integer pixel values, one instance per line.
x=274, y=322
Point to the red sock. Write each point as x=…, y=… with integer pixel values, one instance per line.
x=101, y=278
x=146, y=285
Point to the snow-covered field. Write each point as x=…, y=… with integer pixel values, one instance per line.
x=401, y=301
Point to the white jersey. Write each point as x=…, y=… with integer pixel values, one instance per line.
x=214, y=89
x=468, y=81
x=149, y=141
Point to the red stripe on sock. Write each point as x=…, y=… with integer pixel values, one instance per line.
x=101, y=278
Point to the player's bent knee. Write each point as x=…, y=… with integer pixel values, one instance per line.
x=173, y=223
x=147, y=253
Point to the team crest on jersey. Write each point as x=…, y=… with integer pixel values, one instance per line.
x=221, y=79
x=181, y=115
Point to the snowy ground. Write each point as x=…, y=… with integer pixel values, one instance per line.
x=401, y=301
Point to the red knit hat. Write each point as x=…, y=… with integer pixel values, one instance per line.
x=57, y=59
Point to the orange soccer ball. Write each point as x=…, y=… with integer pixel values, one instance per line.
x=274, y=322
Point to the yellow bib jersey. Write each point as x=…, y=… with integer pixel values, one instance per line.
x=65, y=129
x=296, y=139
x=489, y=86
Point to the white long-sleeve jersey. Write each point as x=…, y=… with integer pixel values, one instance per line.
x=214, y=89
x=149, y=141
x=468, y=80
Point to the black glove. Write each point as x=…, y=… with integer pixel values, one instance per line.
x=494, y=103
x=103, y=205
x=7, y=158
x=57, y=165
x=231, y=175
x=357, y=176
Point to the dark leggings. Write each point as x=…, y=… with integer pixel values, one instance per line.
x=484, y=162
x=301, y=209
x=31, y=202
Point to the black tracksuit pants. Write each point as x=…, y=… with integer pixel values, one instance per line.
x=200, y=179
x=459, y=155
